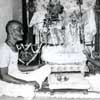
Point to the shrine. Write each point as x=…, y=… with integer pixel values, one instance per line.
x=65, y=33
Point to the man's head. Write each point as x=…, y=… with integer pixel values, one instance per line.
x=14, y=31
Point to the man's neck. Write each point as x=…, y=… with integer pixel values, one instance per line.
x=12, y=45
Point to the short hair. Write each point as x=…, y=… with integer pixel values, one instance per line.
x=11, y=22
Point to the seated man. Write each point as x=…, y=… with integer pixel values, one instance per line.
x=9, y=70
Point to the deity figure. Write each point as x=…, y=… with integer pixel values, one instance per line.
x=73, y=35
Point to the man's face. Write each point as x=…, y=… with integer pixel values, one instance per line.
x=17, y=32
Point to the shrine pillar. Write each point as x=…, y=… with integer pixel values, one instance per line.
x=97, y=16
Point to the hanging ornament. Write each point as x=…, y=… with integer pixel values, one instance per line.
x=79, y=2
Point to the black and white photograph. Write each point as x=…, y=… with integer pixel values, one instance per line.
x=49, y=49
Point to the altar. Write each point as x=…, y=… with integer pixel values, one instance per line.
x=65, y=35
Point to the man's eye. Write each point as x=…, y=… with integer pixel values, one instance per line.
x=19, y=29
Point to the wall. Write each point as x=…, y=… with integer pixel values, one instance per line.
x=5, y=15
x=9, y=9
x=17, y=10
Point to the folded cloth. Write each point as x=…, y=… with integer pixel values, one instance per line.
x=59, y=55
x=16, y=90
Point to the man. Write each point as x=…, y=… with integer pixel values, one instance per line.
x=9, y=57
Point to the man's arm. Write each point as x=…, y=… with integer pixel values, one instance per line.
x=94, y=62
x=10, y=79
x=91, y=60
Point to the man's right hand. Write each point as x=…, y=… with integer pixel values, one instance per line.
x=88, y=54
x=35, y=84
